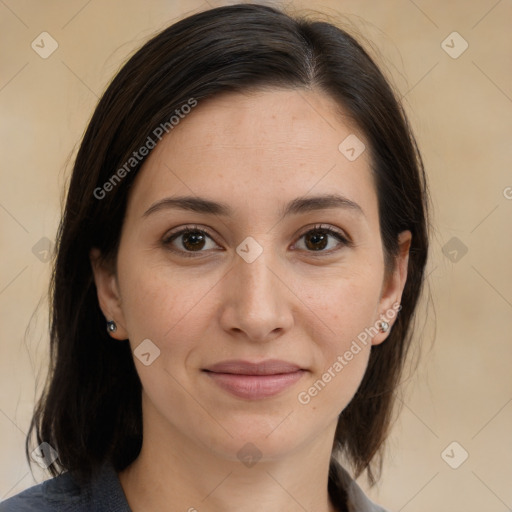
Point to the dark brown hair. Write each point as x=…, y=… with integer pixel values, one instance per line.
x=90, y=411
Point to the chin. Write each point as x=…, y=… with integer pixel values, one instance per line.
x=258, y=437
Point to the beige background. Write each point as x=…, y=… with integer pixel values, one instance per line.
x=461, y=111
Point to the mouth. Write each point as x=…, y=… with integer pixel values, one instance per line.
x=254, y=381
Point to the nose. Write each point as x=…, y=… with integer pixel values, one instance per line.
x=256, y=300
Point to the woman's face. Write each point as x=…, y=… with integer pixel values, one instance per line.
x=256, y=278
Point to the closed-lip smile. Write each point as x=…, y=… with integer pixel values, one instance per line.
x=254, y=380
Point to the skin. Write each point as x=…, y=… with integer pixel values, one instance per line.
x=256, y=152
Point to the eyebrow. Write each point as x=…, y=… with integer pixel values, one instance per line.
x=294, y=207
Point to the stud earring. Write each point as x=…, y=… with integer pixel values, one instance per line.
x=111, y=326
x=384, y=326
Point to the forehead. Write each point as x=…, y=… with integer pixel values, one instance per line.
x=272, y=144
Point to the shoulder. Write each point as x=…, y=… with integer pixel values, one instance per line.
x=356, y=499
x=63, y=494
x=59, y=493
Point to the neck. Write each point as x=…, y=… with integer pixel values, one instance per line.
x=174, y=473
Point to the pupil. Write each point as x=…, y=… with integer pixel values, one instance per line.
x=316, y=239
x=194, y=240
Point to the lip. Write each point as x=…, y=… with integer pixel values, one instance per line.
x=254, y=381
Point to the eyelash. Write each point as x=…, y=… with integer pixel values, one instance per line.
x=344, y=241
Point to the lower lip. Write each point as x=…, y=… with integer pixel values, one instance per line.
x=255, y=387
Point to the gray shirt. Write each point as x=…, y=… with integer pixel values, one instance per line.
x=105, y=494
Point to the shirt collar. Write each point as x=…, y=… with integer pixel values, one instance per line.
x=346, y=493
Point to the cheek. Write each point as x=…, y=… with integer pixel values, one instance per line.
x=343, y=315
x=161, y=304
x=341, y=365
x=344, y=306
x=171, y=310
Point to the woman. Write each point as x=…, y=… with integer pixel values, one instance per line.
x=239, y=263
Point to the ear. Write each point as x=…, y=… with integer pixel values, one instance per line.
x=108, y=294
x=393, y=287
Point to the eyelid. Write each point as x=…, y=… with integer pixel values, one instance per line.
x=169, y=237
x=337, y=233
x=328, y=228
x=183, y=229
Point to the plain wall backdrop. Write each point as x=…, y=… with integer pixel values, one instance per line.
x=451, y=62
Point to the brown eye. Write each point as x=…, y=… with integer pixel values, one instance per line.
x=189, y=240
x=320, y=238
x=193, y=240
x=316, y=240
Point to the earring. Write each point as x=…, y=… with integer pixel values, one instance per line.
x=384, y=326
x=111, y=326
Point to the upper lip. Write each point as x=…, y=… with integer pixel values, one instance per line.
x=267, y=367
